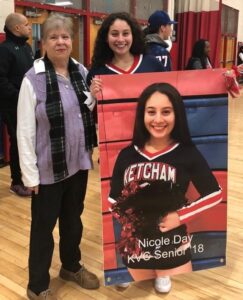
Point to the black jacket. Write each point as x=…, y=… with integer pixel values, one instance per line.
x=16, y=58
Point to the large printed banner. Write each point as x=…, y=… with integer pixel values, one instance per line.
x=201, y=239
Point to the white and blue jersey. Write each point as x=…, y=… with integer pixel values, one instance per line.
x=142, y=64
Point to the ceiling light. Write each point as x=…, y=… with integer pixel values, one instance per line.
x=59, y=3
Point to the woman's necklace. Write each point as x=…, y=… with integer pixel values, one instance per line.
x=61, y=68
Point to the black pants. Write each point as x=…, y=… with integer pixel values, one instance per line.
x=10, y=119
x=63, y=200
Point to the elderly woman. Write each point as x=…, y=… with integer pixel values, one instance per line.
x=56, y=135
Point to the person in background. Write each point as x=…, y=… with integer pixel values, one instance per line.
x=240, y=56
x=159, y=31
x=151, y=208
x=200, y=56
x=56, y=135
x=240, y=64
x=120, y=49
x=2, y=162
x=16, y=58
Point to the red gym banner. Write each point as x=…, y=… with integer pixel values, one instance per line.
x=143, y=192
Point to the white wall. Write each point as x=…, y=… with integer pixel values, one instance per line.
x=7, y=7
x=237, y=4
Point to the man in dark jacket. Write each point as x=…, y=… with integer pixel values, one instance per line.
x=16, y=58
x=159, y=29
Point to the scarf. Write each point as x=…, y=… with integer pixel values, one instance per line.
x=55, y=114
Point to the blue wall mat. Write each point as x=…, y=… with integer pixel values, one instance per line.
x=122, y=275
x=117, y=276
x=207, y=116
x=208, y=263
x=214, y=150
x=208, y=245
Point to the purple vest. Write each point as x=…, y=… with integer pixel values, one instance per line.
x=77, y=158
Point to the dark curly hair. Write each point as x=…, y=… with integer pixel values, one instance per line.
x=102, y=53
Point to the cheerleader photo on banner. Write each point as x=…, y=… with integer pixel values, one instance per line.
x=163, y=167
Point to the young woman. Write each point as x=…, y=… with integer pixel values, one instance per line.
x=120, y=49
x=200, y=56
x=56, y=135
x=148, y=187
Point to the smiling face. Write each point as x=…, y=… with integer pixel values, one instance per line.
x=58, y=44
x=120, y=37
x=159, y=118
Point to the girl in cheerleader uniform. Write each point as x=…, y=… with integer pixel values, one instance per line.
x=148, y=187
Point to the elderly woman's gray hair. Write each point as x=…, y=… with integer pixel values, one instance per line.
x=56, y=21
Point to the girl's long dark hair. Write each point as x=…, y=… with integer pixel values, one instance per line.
x=180, y=132
x=198, y=52
x=102, y=52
